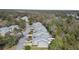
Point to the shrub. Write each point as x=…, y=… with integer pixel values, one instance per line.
x=27, y=48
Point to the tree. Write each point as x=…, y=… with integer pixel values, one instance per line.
x=11, y=40
x=21, y=23
x=66, y=35
x=2, y=42
x=31, y=21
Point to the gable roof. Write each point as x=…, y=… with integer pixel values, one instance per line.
x=40, y=34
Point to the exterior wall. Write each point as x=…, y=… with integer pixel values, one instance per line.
x=42, y=44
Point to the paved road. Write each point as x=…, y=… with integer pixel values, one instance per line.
x=22, y=40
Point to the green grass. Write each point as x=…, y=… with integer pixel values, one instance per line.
x=36, y=48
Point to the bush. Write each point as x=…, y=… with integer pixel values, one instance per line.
x=27, y=48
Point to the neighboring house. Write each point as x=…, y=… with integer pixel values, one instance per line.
x=5, y=30
x=25, y=18
x=11, y=28
x=71, y=14
x=22, y=18
x=18, y=18
x=41, y=38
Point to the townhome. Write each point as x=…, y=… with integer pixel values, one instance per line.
x=41, y=37
x=5, y=30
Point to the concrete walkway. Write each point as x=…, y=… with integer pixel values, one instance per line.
x=20, y=45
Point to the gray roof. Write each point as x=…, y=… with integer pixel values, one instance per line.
x=40, y=34
x=4, y=30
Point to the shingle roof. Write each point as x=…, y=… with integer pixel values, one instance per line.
x=40, y=34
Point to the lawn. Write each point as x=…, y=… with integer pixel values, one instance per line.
x=36, y=48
